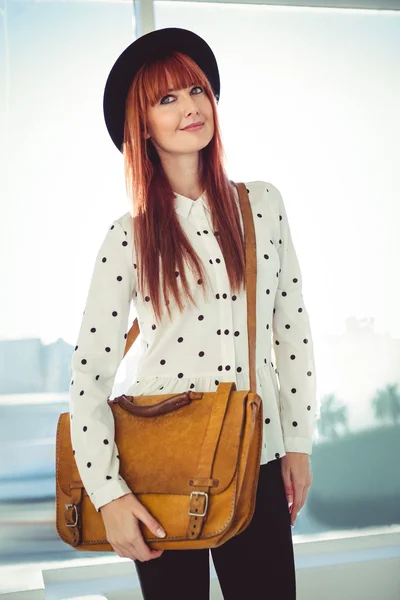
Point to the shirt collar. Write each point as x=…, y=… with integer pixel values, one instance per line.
x=184, y=205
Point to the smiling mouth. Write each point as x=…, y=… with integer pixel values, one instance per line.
x=193, y=128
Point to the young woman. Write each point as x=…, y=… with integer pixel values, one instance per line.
x=178, y=255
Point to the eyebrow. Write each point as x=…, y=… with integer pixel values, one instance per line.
x=171, y=90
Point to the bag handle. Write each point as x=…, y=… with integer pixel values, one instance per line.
x=251, y=284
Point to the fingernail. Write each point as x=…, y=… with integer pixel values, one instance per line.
x=160, y=532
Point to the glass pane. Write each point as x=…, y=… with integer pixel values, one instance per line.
x=309, y=102
x=64, y=187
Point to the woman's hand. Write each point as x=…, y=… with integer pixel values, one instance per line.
x=297, y=479
x=121, y=519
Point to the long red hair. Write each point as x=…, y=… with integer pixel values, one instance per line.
x=157, y=231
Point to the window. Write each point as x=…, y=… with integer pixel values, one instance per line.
x=311, y=95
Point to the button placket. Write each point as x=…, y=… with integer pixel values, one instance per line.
x=222, y=286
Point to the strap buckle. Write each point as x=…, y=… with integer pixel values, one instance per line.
x=76, y=515
x=197, y=514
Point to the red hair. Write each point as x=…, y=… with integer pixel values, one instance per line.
x=157, y=232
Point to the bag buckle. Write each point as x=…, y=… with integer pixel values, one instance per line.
x=76, y=515
x=197, y=514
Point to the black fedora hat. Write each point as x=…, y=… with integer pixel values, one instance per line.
x=155, y=44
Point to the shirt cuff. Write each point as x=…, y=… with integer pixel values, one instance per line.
x=109, y=492
x=295, y=444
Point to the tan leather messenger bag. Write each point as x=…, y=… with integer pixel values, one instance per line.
x=192, y=459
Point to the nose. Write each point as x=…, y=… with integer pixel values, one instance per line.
x=189, y=102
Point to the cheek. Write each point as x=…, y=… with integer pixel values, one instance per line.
x=208, y=111
x=163, y=123
x=168, y=124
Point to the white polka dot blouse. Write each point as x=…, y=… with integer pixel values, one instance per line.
x=200, y=347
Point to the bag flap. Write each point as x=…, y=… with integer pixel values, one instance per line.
x=166, y=452
x=167, y=456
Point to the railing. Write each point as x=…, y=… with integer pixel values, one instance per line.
x=346, y=565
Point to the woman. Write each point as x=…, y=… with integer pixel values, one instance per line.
x=183, y=236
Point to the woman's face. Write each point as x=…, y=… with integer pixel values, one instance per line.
x=167, y=118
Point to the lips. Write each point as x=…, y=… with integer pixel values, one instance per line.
x=193, y=125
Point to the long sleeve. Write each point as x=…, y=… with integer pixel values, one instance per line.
x=293, y=343
x=98, y=353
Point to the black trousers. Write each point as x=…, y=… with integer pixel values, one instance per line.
x=256, y=564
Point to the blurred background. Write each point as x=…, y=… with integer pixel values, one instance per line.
x=309, y=101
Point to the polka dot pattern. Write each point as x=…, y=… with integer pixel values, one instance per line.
x=97, y=354
x=199, y=348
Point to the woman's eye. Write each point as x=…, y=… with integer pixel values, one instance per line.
x=170, y=96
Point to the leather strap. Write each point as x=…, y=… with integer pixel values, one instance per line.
x=251, y=279
x=200, y=495
x=251, y=283
x=198, y=502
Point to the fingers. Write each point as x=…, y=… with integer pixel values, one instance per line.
x=137, y=549
x=130, y=550
x=123, y=532
x=296, y=506
x=300, y=495
x=140, y=549
x=305, y=492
